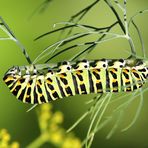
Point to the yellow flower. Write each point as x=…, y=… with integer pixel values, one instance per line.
x=45, y=116
x=57, y=117
x=71, y=143
x=76, y=143
x=4, y=140
x=56, y=137
x=53, y=127
x=4, y=145
x=15, y=145
x=43, y=125
x=3, y=132
x=4, y=135
x=52, y=132
x=46, y=107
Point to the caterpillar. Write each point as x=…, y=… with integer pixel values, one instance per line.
x=37, y=84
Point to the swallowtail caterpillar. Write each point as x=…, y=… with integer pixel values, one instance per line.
x=32, y=84
x=37, y=84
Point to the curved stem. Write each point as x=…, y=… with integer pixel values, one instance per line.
x=38, y=142
x=7, y=30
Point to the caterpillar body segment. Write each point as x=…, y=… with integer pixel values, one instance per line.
x=37, y=84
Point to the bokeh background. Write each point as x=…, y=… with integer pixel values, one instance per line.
x=23, y=126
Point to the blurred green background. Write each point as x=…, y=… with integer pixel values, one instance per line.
x=23, y=126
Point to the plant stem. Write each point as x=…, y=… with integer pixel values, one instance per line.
x=39, y=141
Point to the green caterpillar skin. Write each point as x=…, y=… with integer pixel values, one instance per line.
x=29, y=85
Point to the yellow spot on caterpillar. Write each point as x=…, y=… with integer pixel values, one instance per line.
x=68, y=95
x=27, y=96
x=9, y=78
x=61, y=76
x=125, y=70
x=81, y=82
x=49, y=82
x=133, y=70
x=66, y=86
x=96, y=71
x=99, y=90
x=128, y=88
x=127, y=80
x=40, y=95
x=98, y=81
x=115, y=88
x=18, y=82
x=38, y=83
x=52, y=91
x=113, y=70
x=28, y=85
x=78, y=72
x=114, y=80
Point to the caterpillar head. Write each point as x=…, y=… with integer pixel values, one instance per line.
x=13, y=71
x=11, y=75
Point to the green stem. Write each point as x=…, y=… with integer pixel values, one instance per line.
x=38, y=142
